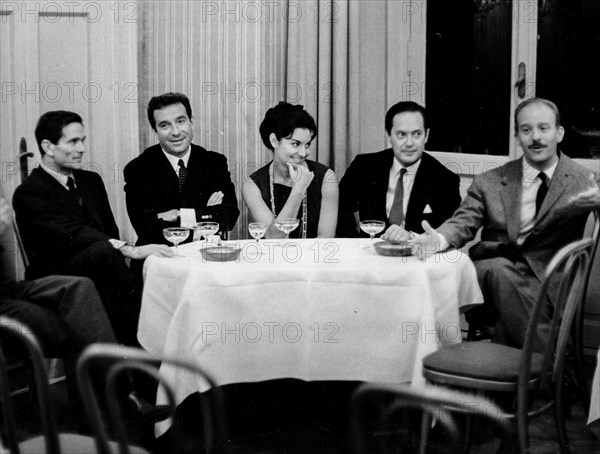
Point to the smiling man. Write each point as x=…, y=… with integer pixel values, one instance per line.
x=176, y=182
x=402, y=185
x=528, y=209
x=68, y=226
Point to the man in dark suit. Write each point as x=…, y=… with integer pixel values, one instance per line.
x=402, y=185
x=176, y=182
x=528, y=208
x=68, y=227
x=65, y=313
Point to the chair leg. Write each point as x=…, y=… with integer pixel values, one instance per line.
x=559, y=420
x=468, y=434
x=471, y=333
x=580, y=369
x=522, y=425
x=425, y=427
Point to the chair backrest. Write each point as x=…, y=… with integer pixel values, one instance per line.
x=379, y=405
x=595, y=237
x=569, y=266
x=13, y=329
x=118, y=360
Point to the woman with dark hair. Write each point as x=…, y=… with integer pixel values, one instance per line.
x=291, y=186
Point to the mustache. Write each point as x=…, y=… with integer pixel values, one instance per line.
x=536, y=144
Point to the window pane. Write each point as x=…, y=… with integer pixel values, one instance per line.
x=568, y=52
x=468, y=75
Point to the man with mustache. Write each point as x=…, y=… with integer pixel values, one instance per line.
x=528, y=209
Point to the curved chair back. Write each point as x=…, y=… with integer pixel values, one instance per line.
x=441, y=404
x=16, y=330
x=122, y=359
x=569, y=266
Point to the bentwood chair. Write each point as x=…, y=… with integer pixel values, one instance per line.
x=578, y=331
x=381, y=416
x=50, y=441
x=524, y=373
x=119, y=360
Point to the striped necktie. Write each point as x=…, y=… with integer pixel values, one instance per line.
x=183, y=173
x=397, y=210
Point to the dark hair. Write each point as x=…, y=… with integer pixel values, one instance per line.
x=50, y=126
x=531, y=101
x=403, y=106
x=283, y=119
x=167, y=99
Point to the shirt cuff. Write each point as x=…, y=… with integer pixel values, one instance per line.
x=117, y=244
x=443, y=242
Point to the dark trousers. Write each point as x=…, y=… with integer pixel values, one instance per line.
x=119, y=288
x=512, y=287
x=64, y=312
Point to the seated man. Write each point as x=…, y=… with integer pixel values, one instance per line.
x=68, y=227
x=66, y=315
x=402, y=185
x=529, y=208
x=175, y=176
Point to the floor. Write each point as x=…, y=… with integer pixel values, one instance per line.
x=301, y=417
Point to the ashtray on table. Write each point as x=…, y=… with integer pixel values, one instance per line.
x=390, y=249
x=220, y=253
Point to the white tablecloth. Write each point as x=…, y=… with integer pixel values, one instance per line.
x=305, y=309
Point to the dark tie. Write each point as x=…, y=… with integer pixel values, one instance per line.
x=397, y=210
x=542, y=191
x=73, y=190
x=183, y=172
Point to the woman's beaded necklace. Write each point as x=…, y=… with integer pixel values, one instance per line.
x=304, y=203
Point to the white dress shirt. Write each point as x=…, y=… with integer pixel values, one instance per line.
x=174, y=161
x=408, y=182
x=529, y=190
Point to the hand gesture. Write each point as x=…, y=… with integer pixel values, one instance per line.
x=142, y=252
x=586, y=200
x=396, y=234
x=169, y=216
x=426, y=243
x=300, y=175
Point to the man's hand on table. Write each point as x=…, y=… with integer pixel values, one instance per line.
x=396, y=234
x=427, y=243
x=142, y=252
x=169, y=216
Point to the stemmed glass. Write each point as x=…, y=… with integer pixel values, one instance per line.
x=372, y=227
x=287, y=225
x=176, y=235
x=257, y=229
x=206, y=229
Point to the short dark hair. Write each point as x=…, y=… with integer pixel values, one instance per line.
x=403, y=106
x=50, y=126
x=530, y=101
x=283, y=119
x=167, y=99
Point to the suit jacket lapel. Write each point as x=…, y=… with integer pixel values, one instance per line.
x=196, y=177
x=420, y=190
x=58, y=191
x=558, y=184
x=510, y=191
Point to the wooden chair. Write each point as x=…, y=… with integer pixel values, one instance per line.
x=578, y=331
x=377, y=408
x=50, y=442
x=122, y=359
x=523, y=372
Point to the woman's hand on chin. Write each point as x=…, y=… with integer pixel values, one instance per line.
x=300, y=175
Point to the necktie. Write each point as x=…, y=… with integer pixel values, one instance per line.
x=183, y=172
x=73, y=190
x=397, y=210
x=542, y=191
